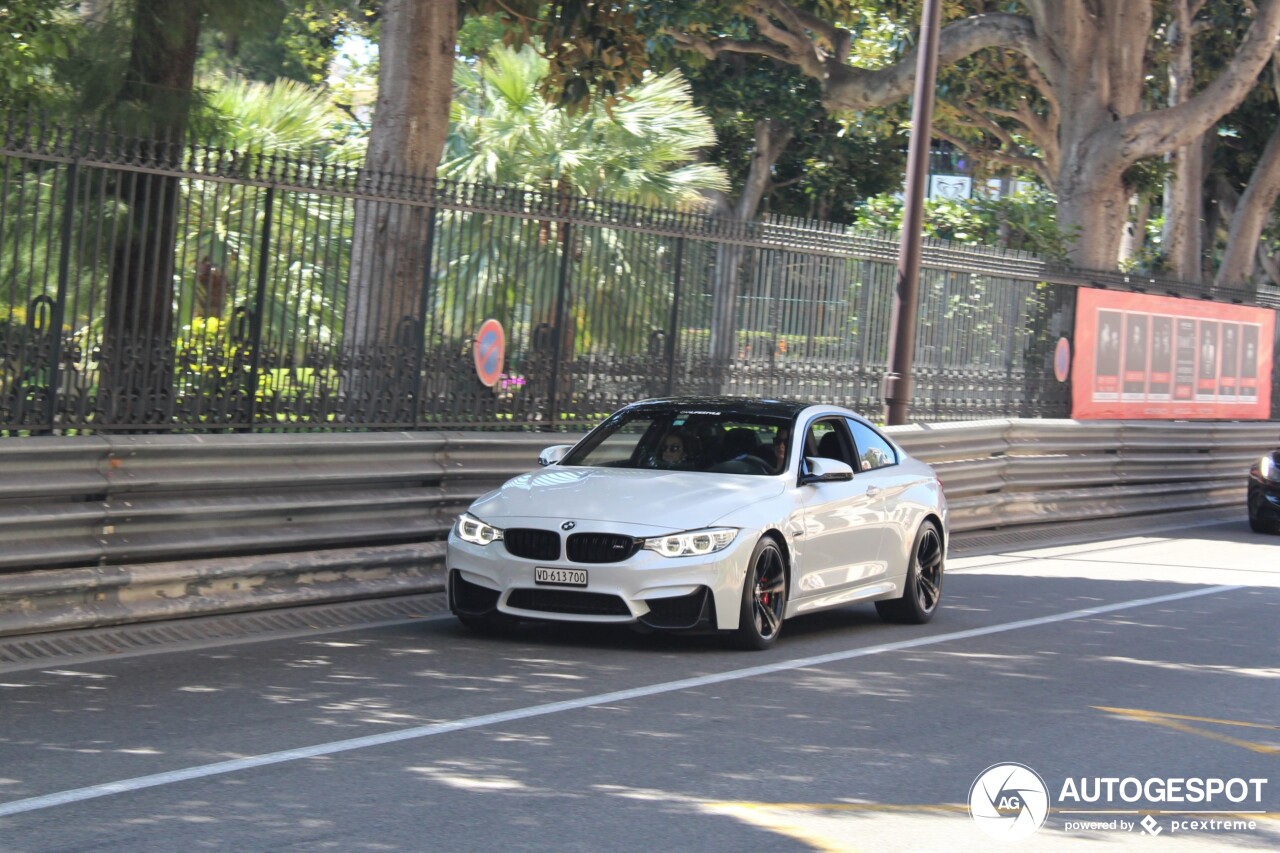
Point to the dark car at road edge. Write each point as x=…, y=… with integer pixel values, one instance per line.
x=1264, y=493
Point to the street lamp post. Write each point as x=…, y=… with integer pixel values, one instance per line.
x=906, y=292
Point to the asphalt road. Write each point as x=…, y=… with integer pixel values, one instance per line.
x=1151, y=658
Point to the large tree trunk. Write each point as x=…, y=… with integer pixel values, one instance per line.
x=1093, y=212
x=1253, y=210
x=771, y=140
x=410, y=124
x=136, y=363
x=1183, y=233
x=1098, y=73
x=1184, y=189
x=1250, y=217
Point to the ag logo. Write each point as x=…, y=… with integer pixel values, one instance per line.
x=1008, y=801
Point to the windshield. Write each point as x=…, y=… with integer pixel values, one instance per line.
x=687, y=440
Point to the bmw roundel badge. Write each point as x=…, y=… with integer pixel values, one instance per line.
x=569, y=525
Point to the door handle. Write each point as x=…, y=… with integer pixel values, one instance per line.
x=872, y=491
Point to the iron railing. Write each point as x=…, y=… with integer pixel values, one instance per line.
x=152, y=286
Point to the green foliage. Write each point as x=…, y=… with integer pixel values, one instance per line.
x=271, y=39
x=61, y=64
x=285, y=118
x=1025, y=222
x=1147, y=177
x=35, y=37
x=830, y=163
x=479, y=33
x=33, y=198
x=643, y=150
x=214, y=364
x=595, y=50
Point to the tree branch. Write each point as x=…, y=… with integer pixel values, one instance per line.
x=1153, y=133
x=1016, y=160
x=1037, y=128
x=788, y=36
x=771, y=18
x=714, y=48
x=777, y=185
x=848, y=88
x=1038, y=82
x=1012, y=153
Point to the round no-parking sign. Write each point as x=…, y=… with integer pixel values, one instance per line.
x=1062, y=360
x=490, y=347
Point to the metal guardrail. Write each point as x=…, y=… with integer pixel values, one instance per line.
x=101, y=530
x=116, y=500
x=1008, y=473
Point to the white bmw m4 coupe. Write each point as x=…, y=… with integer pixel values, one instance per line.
x=707, y=514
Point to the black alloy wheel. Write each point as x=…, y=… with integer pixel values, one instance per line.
x=922, y=590
x=764, y=597
x=1259, y=525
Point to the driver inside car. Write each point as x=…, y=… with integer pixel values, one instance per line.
x=675, y=451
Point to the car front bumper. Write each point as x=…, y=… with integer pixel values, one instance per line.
x=1264, y=500
x=661, y=592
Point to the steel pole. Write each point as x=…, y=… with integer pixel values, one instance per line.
x=906, y=291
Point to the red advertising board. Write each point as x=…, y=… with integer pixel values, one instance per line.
x=1140, y=356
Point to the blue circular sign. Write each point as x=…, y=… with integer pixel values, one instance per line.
x=1062, y=360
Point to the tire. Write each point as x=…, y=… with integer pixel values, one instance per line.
x=1259, y=526
x=764, y=598
x=922, y=589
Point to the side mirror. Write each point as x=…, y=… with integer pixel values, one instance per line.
x=554, y=454
x=823, y=470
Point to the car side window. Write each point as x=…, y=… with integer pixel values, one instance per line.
x=825, y=439
x=872, y=448
x=620, y=447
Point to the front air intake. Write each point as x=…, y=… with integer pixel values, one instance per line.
x=601, y=547
x=532, y=544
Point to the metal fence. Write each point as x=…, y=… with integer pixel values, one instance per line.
x=148, y=286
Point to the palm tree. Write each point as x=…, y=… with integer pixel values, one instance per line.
x=643, y=151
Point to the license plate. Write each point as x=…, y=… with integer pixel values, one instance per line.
x=560, y=577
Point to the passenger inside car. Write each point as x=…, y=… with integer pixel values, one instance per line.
x=781, y=445
x=739, y=443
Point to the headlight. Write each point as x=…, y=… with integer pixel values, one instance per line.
x=695, y=543
x=473, y=530
x=1268, y=469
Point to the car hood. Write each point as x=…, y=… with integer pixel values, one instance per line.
x=670, y=500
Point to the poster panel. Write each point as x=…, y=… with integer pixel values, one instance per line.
x=1160, y=388
x=1141, y=356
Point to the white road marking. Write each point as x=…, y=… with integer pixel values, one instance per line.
x=236, y=765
